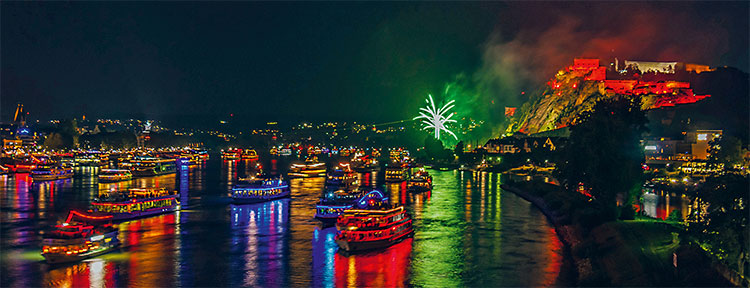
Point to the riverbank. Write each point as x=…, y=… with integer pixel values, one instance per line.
x=619, y=253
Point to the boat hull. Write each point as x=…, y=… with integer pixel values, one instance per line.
x=140, y=214
x=151, y=172
x=59, y=258
x=114, y=179
x=250, y=200
x=361, y=246
x=50, y=177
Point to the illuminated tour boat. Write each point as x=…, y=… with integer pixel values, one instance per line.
x=333, y=203
x=311, y=168
x=372, y=224
x=249, y=154
x=73, y=241
x=395, y=173
x=260, y=189
x=151, y=167
x=420, y=182
x=20, y=164
x=231, y=154
x=114, y=175
x=364, y=164
x=133, y=203
x=51, y=172
x=341, y=176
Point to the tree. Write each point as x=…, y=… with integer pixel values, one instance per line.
x=726, y=150
x=724, y=222
x=54, y=141
x=604, y=152
x=459, y=150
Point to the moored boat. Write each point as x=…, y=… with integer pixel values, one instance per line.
x=371, y=224
x=51, y=172
x=264, y=188
x=114, y=175
x=73, y=241
x=133, y=203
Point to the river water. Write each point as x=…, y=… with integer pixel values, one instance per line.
x=468, y=232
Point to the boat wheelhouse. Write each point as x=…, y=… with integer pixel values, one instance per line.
x=151, y=167
x=421, y=181
x=333, y=203
x=114, y=175
x=395, y=173
x=51, y=172
x=133, y=203
x=73, y=241
x=264, y=188
x=311, y=168
x=249, y=154
x=371, y=224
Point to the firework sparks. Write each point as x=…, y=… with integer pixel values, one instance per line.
x=436, y=118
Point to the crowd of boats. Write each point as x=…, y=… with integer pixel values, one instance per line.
x=363, y=216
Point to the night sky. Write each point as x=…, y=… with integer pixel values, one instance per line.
x=191, y=61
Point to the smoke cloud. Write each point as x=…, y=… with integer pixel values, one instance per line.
x=520, y=60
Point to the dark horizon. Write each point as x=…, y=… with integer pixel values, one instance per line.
x=366, y=62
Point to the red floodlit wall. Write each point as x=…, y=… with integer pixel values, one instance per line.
x=585, y=64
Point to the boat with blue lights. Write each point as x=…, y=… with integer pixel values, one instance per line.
x=260, y=189
x=334, y=202
x=114, y=175
x=372, y=224
x=51, y=172
x=421, y=181
x=132, y=203
x=74, y=241
x=311, y=168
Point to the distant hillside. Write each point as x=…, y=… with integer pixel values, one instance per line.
x=680, y=99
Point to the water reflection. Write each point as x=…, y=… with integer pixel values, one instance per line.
x=467, y=232
x=259, y=243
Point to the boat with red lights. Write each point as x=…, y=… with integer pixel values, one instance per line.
x=73, y=241
x=311, y=168
x=231, y=154
x=421, y=181
x=364, y=163
x=260, y=189
x=132, y=203
x=114, y=175
x=372, y=224
x=51, y=172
